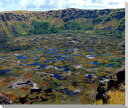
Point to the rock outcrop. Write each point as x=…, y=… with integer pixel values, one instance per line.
x=108, y=84
x=4, y=99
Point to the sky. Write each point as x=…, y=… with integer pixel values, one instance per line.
x=45, y=5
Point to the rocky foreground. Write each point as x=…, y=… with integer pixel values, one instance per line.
x=106, y=87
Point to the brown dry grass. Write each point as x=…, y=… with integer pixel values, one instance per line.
x=116, y=97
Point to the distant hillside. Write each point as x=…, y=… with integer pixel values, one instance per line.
x=106, y=22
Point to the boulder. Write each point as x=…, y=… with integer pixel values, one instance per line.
x=108, y=84
x=4, y=99
x=36, y=90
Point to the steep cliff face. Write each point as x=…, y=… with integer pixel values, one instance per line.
x=17, y=23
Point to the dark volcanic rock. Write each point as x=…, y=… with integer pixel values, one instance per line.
x=4, y=100
x=106, y=85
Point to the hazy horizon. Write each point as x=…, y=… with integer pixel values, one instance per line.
x=54, y=10
x=46, y=5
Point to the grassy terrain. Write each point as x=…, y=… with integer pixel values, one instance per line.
x=58, y=50
x=105, y=22
x=45, y=60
